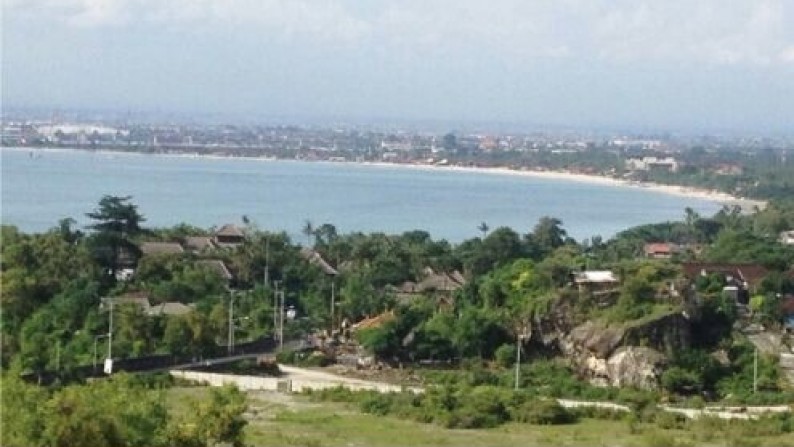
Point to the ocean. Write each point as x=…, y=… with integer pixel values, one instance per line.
x=42, y=186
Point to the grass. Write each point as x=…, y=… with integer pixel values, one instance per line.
x=291, y=420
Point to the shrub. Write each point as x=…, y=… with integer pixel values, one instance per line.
x=488, y=401
x=598, y=413
x=470, y=417
x=505, y=355
x=336, y=394
x=668, y=420
x=680, y=380
x=316, y=359
x=662, y=440
x=286, y=357
x=543, y=412
x=377, y=404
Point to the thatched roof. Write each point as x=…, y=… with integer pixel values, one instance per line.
x=316, y=258
x=199, y=243
x=217, y=266
x=230, y=230
x=160, y=248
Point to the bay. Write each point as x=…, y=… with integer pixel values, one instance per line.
x=41, y=187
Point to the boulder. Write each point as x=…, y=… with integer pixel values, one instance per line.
x=624, y=355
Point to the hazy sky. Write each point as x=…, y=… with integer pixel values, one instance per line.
x=676, y=64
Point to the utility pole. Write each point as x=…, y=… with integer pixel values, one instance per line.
x=110, y=332
x=755, y=371
x=519, y=337
x=267, y=261
x=333, y=305
x=518, y=361
x=281, y=326
x=231, y=323
x=275, y=305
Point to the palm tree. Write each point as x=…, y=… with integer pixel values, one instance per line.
x=483, y=227
x=308, y=230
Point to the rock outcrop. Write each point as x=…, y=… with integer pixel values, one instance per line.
x=632, y=354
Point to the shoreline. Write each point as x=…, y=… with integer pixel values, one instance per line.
x=714, y=196
x=675, y=190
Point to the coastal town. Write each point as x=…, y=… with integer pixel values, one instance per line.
x=346, y=223
x=708, y=166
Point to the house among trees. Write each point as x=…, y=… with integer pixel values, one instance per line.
x=440, y=285
x=229, y=236
x=659, y=250
x=315, y=258
x=160, y=248
x=218, y=267
x=596, y=282
x=141, y=299
x=740, y=279
x=199, y=244
x=170, y=308
x=668, y=164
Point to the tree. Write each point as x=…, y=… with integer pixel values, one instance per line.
x=117, y=221
x=548, y=234
x=68, y=234
x=308, y=230
x=483, y=227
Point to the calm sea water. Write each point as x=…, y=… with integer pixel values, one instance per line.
x=39, y=189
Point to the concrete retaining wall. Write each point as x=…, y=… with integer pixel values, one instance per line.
x=242, y=382
x=283, y=384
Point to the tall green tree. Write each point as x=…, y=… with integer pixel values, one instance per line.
x=116, y=223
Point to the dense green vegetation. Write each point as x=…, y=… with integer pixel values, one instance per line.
x=120, y=411
x=510, y=285
x=760, y=173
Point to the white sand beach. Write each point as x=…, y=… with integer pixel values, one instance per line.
x=747, y=205
x=682, y=191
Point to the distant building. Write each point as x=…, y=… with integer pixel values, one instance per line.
x=217, y=267
x=659, y=250
x=160, y=248
x=440, y=285
x=229, y=236
x=728, y=169
x=668, y=164
x=740, y=279
x=315, y=258
x=786, y=237
x=170, y=308
x=199, y=244
x=595, y=281
x=141, y=299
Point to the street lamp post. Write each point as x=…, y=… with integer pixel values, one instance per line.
x=519, y=338
x=281, y=323
x=96, y=341
x=275, y=306
x=231, y=323
x=518, y=361
x=755, y=370
x=110, y=333
x=333, y=305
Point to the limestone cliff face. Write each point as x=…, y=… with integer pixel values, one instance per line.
x=634, y=354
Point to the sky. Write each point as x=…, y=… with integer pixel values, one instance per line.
x=661, y=64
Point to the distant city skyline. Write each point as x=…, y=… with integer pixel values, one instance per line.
x=675, y=65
